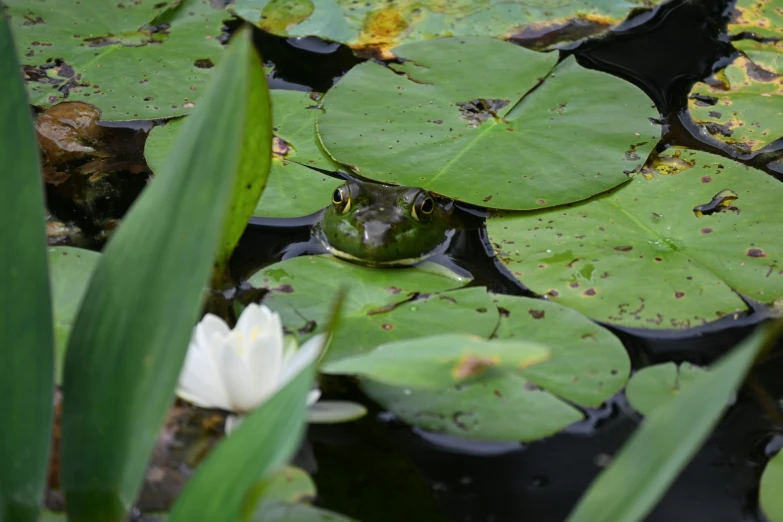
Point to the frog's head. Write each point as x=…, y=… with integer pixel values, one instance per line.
x=380, y=225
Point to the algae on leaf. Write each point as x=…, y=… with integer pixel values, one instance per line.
x=383, y=24
x=640, y=256
x=488, y=123
x=134, y=60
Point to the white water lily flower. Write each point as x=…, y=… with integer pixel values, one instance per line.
x=237, y=370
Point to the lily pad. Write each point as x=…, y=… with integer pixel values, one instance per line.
x=656, y=385
x=640, y=256
x=70, y=270
x=134, y=60
x=764, y=18
x=588, y=363
x=501, y=408
x=466, y=310
x=292, y=190
x=461, y=117
x=742, y=105
x=302, y=289
x=439, y=361
x=771, y=486
x=383, y=24
x=587, y=366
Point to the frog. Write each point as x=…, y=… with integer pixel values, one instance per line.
x=381, y=225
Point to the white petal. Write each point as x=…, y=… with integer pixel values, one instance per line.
x=303, y=357
x=265, y=363
x=232, y=423
x=210, y=330
x=200, y=381
x=313, y=396
x=237, y=378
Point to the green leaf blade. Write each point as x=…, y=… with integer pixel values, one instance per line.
x=26, y=337
x=656, y=453
x=131, y=335
x=266, y=439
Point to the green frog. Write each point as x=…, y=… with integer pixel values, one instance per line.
x=382, y=225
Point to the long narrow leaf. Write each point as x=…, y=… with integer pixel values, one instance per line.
x=131, y=334
x=656, y=453
x=26, y=338
x=266, y=439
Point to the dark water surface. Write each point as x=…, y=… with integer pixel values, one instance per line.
x=379, y=469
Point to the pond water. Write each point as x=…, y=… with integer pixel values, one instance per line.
x=380, y=469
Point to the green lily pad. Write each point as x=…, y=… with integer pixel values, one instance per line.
x=587, y=366
x=302, y=289
x=458, y=117
x=134, y=60
x=439, y=361
x=500, y=408
x=656, y=385
x=287, y=484
x=742, y=105
x=588, y=363
x=761, y=17
x=640, y=256
x=771, y=486
x=70, y=270
x=466, y=310
x=292, y=190
x=383, y=24
x=334, y=412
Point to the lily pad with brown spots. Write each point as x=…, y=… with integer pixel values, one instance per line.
x=762, y=18
x=488, y=123
x=587, y=366
x=292, y=189
x=134, y=60
x=384, y=24
x=640, y=256
x=742, y=105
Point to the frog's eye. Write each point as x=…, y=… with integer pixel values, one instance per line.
x=423, y=206
x=341, y=198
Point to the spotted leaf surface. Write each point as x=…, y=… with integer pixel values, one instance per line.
x=641, y=256
x=438, y=361
x=135, y=60
x=302, y=289
x=458, y=117
x=761, y=17
x=742, y=104
x=292, y=190
x=383, y=24
x=587, y=365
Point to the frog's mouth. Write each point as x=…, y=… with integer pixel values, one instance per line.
x=393, y=263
